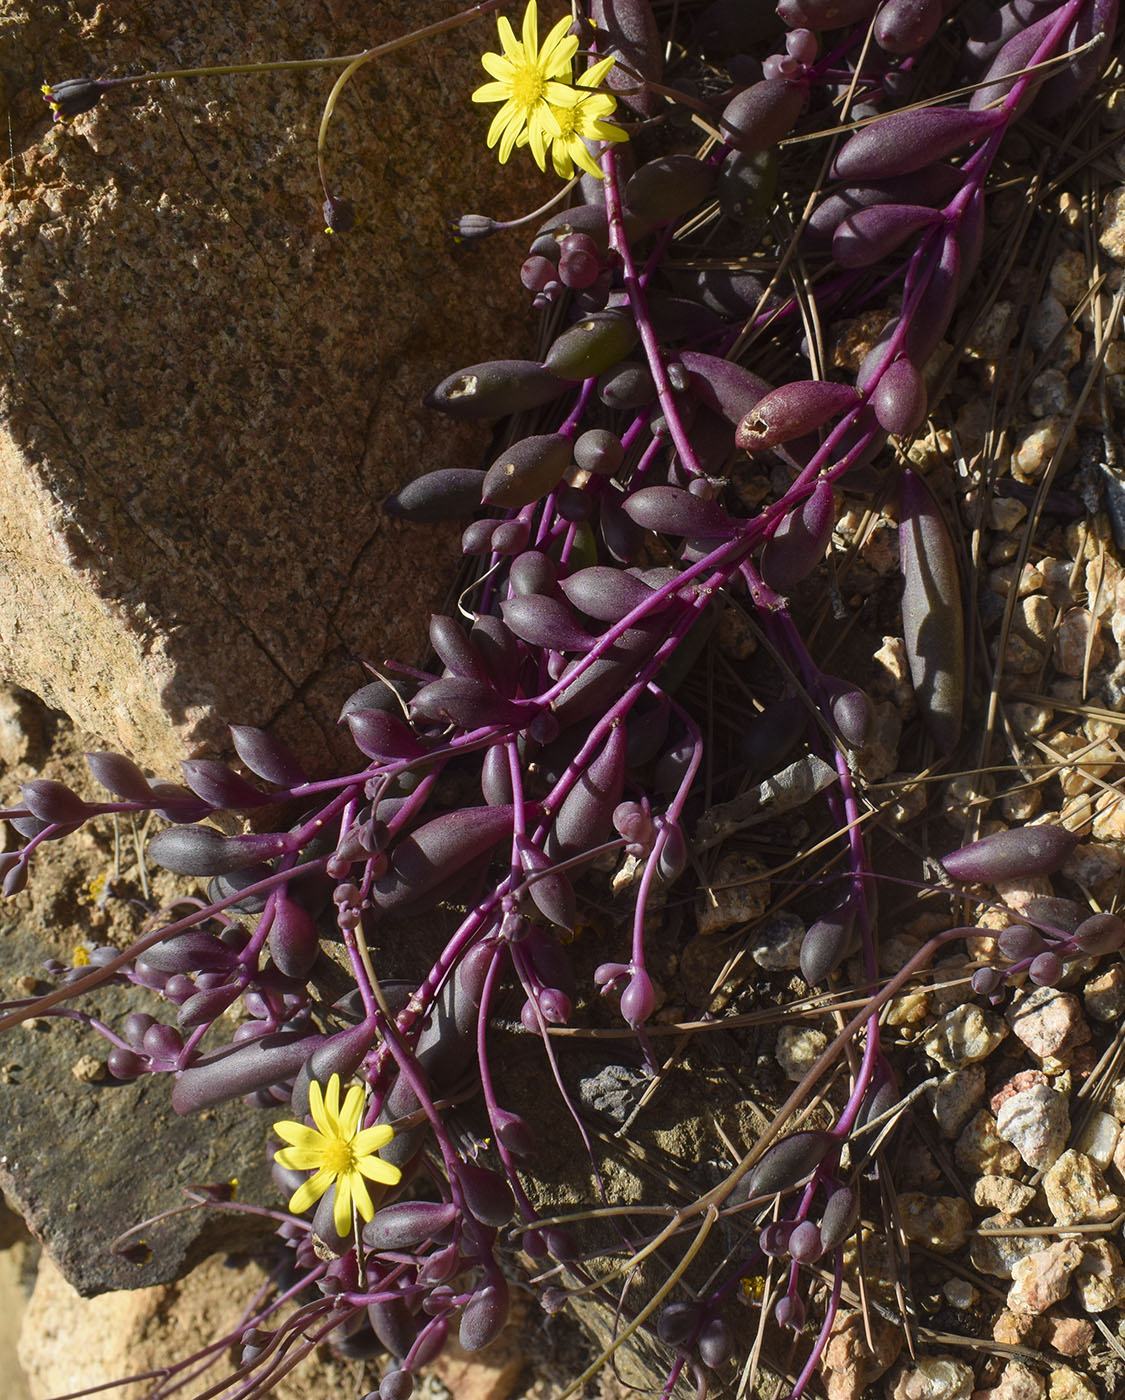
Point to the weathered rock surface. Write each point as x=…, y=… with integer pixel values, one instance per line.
x=203, y=398
x=69, y=1342
x=84, y=1161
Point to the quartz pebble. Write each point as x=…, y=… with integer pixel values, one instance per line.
x=960, y=1293
x=1047, y=1021
x=1104, y=995
x=962, y=1036
x=1098, y=1138
x=935, y=1378
x=1036, y=1122
x=797, y=1050
x=1068, y=1384
x=956, y=1098
x=1100, y=1280
x=1079, y=644
x=1012, y=1329
x=979, y=1149
x=995, y=1253
x=940, y=1223
x=1002, y=1193
x=1077, y=1193
x=1017, y=1382
x=1042, y=1278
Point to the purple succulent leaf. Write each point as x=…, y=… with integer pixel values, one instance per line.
x=869, y=235
x=119, y=775
x=452, y=493
x=905, y=141
x=495, y=389
x=1010, y=855
x=932, y=616
x=266, y=756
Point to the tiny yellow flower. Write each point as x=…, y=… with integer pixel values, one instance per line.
x=584, y=120
x=336, y=1150
x=531, y=82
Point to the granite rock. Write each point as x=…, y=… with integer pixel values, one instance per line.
x=204, y=398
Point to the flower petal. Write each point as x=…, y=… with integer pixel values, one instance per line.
x=531, y=31
x=371, y=1139
x=360, y=1195
x=595, y=75
x=300, y=1159
x=351, y=1112
x=309, y=1192
x=499, y=67
x=508, y=115
x=508, y=41
x=559, y=95
x=375, y=1169
x=491, y=92
x=316, y=1103
x=332, y=1106
x=559, y=48
x=298, y=1134
x=342, y=1205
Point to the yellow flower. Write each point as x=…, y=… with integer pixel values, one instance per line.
x=584, y=120
x=531, y=82
x=336, y=1150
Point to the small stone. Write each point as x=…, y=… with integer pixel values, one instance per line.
x=1111, y=238
x=1047, y=1020
x=1098, y=1139
x=1079, y=645
x=736, y=894
x=1070, y=278
x=1104, y=995
x=960, y=1293
x=1005, y=513
x=1002, y=1193
x=797, y=1050
x=1049, y=392
x=1014, y=1329
x=776, y=944
x=996, y=1253
x=964, y=1035
x=981, y=1150
x=1077, y=1193
x=88, y=1069
x=1068, y=1384
x=1017, y=1382
x=1018, y=1082
x=935, y=1378
x=956, y=1098
x=1036, y=1122
x=941, y=1223
x=992, y=332
x=1100, y=1282
x=849, y=1365
x=1035, y=447
x=1069, y=1336
x=1042, y=1278
x=1048, y=326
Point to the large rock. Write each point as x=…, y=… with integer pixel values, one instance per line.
x=84, y=1158
x=204, y=398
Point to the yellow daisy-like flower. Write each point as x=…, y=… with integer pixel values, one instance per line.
x=533, y=83
x=336, y=1150
x=583, y=122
